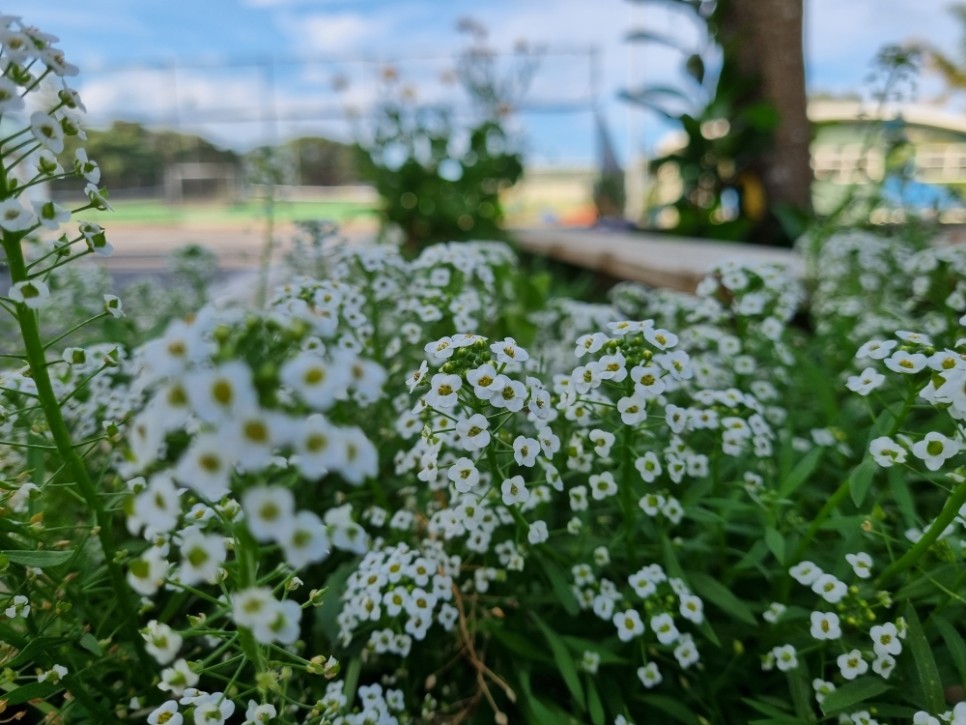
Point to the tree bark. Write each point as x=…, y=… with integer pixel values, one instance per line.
x=763, y=38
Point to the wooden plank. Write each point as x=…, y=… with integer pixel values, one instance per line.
x=654, y=259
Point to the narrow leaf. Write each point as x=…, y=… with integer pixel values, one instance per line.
x=801, y=472
x=861, y=480
x=775, y=543
x=954, y=642
x=560, y=586
x=922, y=656
x=37, y=558
x=672, y=707
x=852, y=693
x=594, y=706
x=565, y=663
x=710, y=589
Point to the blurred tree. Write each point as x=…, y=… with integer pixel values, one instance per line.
x=322, y=162
x=134, y=157
x=951, y=70
x=746, y=169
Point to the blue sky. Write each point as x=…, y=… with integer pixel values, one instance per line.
x=125, y=48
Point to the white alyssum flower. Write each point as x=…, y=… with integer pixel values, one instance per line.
x=269, y=512
x=786, y=657
x=861, y=564
x=865, y=382
x=935, y=449
x=649, y=675
x=825, y=625
x=830, y=588
x=805, y=573
x=629, y=625
x=161, y=642
x=201, y=556
x=851, y=664
x=514, y=491
x=48, y=131
x=887, y=452
x=885, y=639
x=306, y=541
x=33, y=293
x=19, y=607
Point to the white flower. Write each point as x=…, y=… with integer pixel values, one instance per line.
x=319, y=447
x=315, y=381
x=32, y=293
x=166, y=714
x=257, y=713
x=885, y=639
x=221, y=394
x=146, y=574
x=464, y=475
x=55, y=674
x=825, y=625
x=830, y=588
x=269, y=512
x=443, y=389
x=113, y=306
x=14, y=217
x=47, y=130
x=663, y=627
x=486, y=381
x=178, y=677
x=19, y=607
x=473, y=432
x=686, y=653
x=865, y=382
x=213, y=709
x=805, y=573
x=692, y=608
x=306, y=540
x=206, y=467
x=158, y=506
x=161, y=642
x=851, y=664
x=10, y=99
x=629, y=625
x=633, y=409
x=201, y=556
x=861, y=564
x=903, y=362
x=876, y=349
x=602, y=485
x=883, y=665
x=537, y=533
x=508, y=351
x=935, y=449
x=514, y=491
x=886, y=452
x=822, y=689
x=649, y=675
x=649, y=466
x=774, y=612
x=786, y=658
x=661, y=339
x=525, y=451
x=590, y=343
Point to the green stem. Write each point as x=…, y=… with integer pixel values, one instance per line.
x=949, y=512
x=34, y=348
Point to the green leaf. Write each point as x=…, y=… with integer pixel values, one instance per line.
x=565, y=663
x=954, y=642
x=775, y=543
x=801, y=472
x=540, y=712
x=766, y=708
x=37, y=558
x=560, y=586
x=594, y=706
x=922, y=656
x=711, y=590
x=852, y=693
x=34, y=647
x=31, y=691
x=861, y=480
x=672, y=707
x=90, y=643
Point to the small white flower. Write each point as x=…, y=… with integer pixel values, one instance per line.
x=865, y=382
x=629, y=625
x=525, y=451
x=649, y=675
x=774, y=612
x=33, y=293
x=825, y=625
x=903, y=362
x=161, y=642
x=166, y=714
x=805, y=573
x=830, y=588
x=269, y=512
x=876, y=349
x=514, y=491
x=443, y=390
x=113, y=306
x=851, y=664
x=537, y=533
x=935, y=449
x=664, y=629
x=47, y=130
x=886, y=452
x=861, y=564
x=883, y=665
x=885, y=639
x=19, y=607
x=786, y=658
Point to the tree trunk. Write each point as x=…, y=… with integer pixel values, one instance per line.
x=763, y=40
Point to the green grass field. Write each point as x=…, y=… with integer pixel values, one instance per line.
x=159, y=212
